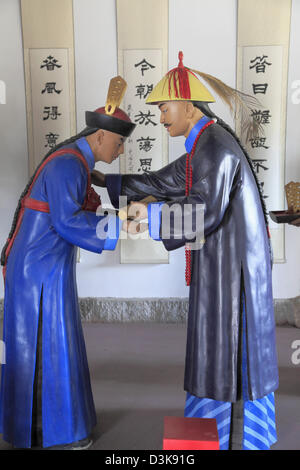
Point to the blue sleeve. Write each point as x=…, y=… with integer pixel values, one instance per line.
x=154, y=219
x=114, y=226
x=65, y=183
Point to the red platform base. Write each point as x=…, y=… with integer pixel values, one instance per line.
x=190, y=434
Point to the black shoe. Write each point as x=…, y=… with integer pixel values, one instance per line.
x=84, y=444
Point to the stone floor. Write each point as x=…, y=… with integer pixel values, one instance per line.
x=137, y=375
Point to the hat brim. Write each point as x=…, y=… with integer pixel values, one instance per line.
x=109, y=123
x=162, y=92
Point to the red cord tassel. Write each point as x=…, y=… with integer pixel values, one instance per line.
x=180, y=78
x=188, y=186
x=181, y=83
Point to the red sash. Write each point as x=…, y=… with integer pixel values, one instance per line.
x=91, y=201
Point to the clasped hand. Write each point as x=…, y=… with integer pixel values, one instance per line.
x=133, y=215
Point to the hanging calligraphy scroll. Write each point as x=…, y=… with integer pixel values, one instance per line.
x=49, y=75
x=142, y=59
x=262, y=66
x=50, y=99
x=144, y=148
x=262, y=70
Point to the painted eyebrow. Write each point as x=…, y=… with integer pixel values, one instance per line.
x=162, y=104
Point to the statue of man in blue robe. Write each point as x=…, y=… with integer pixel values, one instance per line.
x=46, y=398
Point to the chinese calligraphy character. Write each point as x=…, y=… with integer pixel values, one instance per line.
x=130, y=160
x=142, y=118
x=263, y=117
x=51, y=139
x=145, y=143
x=144, y=66
x=145, y=164
x=129, y=109
x=50, y=88
x=259, y=63
x=257, y=163
x=50, y=63
x=258, y=142
x=51, y=112
x=142, y=92
x=262, y=190
x=259, y=88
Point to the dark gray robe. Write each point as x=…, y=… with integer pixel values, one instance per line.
x=235, y=257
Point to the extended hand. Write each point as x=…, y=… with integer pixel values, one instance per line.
x=133, y=227
x=98, y=178
x=138, y=210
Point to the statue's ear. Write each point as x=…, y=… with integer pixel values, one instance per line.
x=100, y=136
x=190, y=109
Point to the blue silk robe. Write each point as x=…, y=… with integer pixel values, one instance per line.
x=42, y=266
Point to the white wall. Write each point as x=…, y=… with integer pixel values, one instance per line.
x=206, y=33
x=103, y=276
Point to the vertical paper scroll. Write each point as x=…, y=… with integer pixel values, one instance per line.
x=50, y=99
x=262, y=71
x=142, y=70
x=48, y=44
x=49, y=75
x=262, y=64
x=142, y=59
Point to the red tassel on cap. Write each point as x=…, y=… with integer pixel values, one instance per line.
x=179, y=76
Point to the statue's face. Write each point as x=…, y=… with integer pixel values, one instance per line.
x=174, y=117
x=108, y=146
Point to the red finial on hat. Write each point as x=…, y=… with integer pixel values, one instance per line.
x=118, y=113
x=180, y=57
x=179, y=76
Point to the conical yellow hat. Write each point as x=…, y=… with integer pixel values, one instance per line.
x=180, y=84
